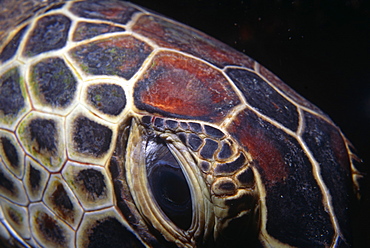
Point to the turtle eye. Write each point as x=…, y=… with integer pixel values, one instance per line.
x=168, y=183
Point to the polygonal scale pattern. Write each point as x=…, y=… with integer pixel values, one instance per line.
x=74, y=77
x=183, y=87
x=51, y=78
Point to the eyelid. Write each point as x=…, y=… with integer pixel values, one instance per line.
x=140, y=142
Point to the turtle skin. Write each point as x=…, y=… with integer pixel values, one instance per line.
x=122, y=128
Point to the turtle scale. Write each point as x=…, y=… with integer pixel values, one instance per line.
x=95, y=95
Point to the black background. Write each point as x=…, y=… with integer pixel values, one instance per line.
x=319, y=48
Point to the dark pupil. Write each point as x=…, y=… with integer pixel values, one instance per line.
x=168, y=183
x=176, y=196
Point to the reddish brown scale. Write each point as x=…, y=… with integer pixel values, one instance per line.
x=112, y=13
x=176, y=85
x=104, y=10
x=170, y=35
x=292, y=193
x=268, y=157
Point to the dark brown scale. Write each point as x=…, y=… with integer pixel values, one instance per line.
x=172, y=125
x=326, y=144
x=121, y=194
x=159, y=123
x=224, y=188
x=273, y=79
x=62, y=203
x=34, y=178
x=107, y=98
x=10, y=152
x=93, y=183
x=182, y=137
x=205, y=166
x=227, y=187
x=246, y=178
x=109, y=232
x=231, y=167
x=241, y=230
x=54, y=81
x=50, y=229
x=184, y=126
x=225, y=151
x=114, y=168
x=50, y=33
x=14, y=216
x=245, y=202
x=194, y=141
x=7, y=185
x=118, y=56
x=209, y=149
x=195, y=127
x=11, y=98
x=264, y=98
x=44, y=133
x=146, y=121
x=11, y=48
x=90, y=137
x=213, y=132
x=86, y=30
